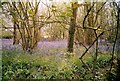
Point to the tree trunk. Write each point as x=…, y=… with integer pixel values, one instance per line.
x=89, y=34
x=72, y=28
x=118, y=45
x=15, y=35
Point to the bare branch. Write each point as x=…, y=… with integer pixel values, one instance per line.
x=91, y=45
x=87, y=15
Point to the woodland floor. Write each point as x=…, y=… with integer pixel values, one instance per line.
x=57, y=45
x=50, y=59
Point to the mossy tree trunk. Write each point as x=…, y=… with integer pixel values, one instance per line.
x=72, y=27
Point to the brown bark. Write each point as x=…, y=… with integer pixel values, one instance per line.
x=15, y=35
x=89, y=32
x=72, y=28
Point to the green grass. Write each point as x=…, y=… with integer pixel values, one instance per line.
x=39, y=66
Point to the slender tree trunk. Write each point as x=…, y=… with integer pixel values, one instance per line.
x=72, y=28
x=36, y=35
x=89, y=34
x=118, y=44
x=15, y=36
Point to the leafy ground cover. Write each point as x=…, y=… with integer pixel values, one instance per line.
x=18, y=65
x=52, y=63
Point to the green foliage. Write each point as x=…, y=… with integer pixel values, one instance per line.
x=36, y=66
x=53, y=6
x=13, y=70
x=6, y=34
x=31, y=12
x=29, y=66
x=84, y=74
x=75, y=5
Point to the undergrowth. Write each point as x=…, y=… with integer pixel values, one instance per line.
x=38, y=66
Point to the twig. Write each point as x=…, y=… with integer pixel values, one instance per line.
x=87, y=15
x=91, y=45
